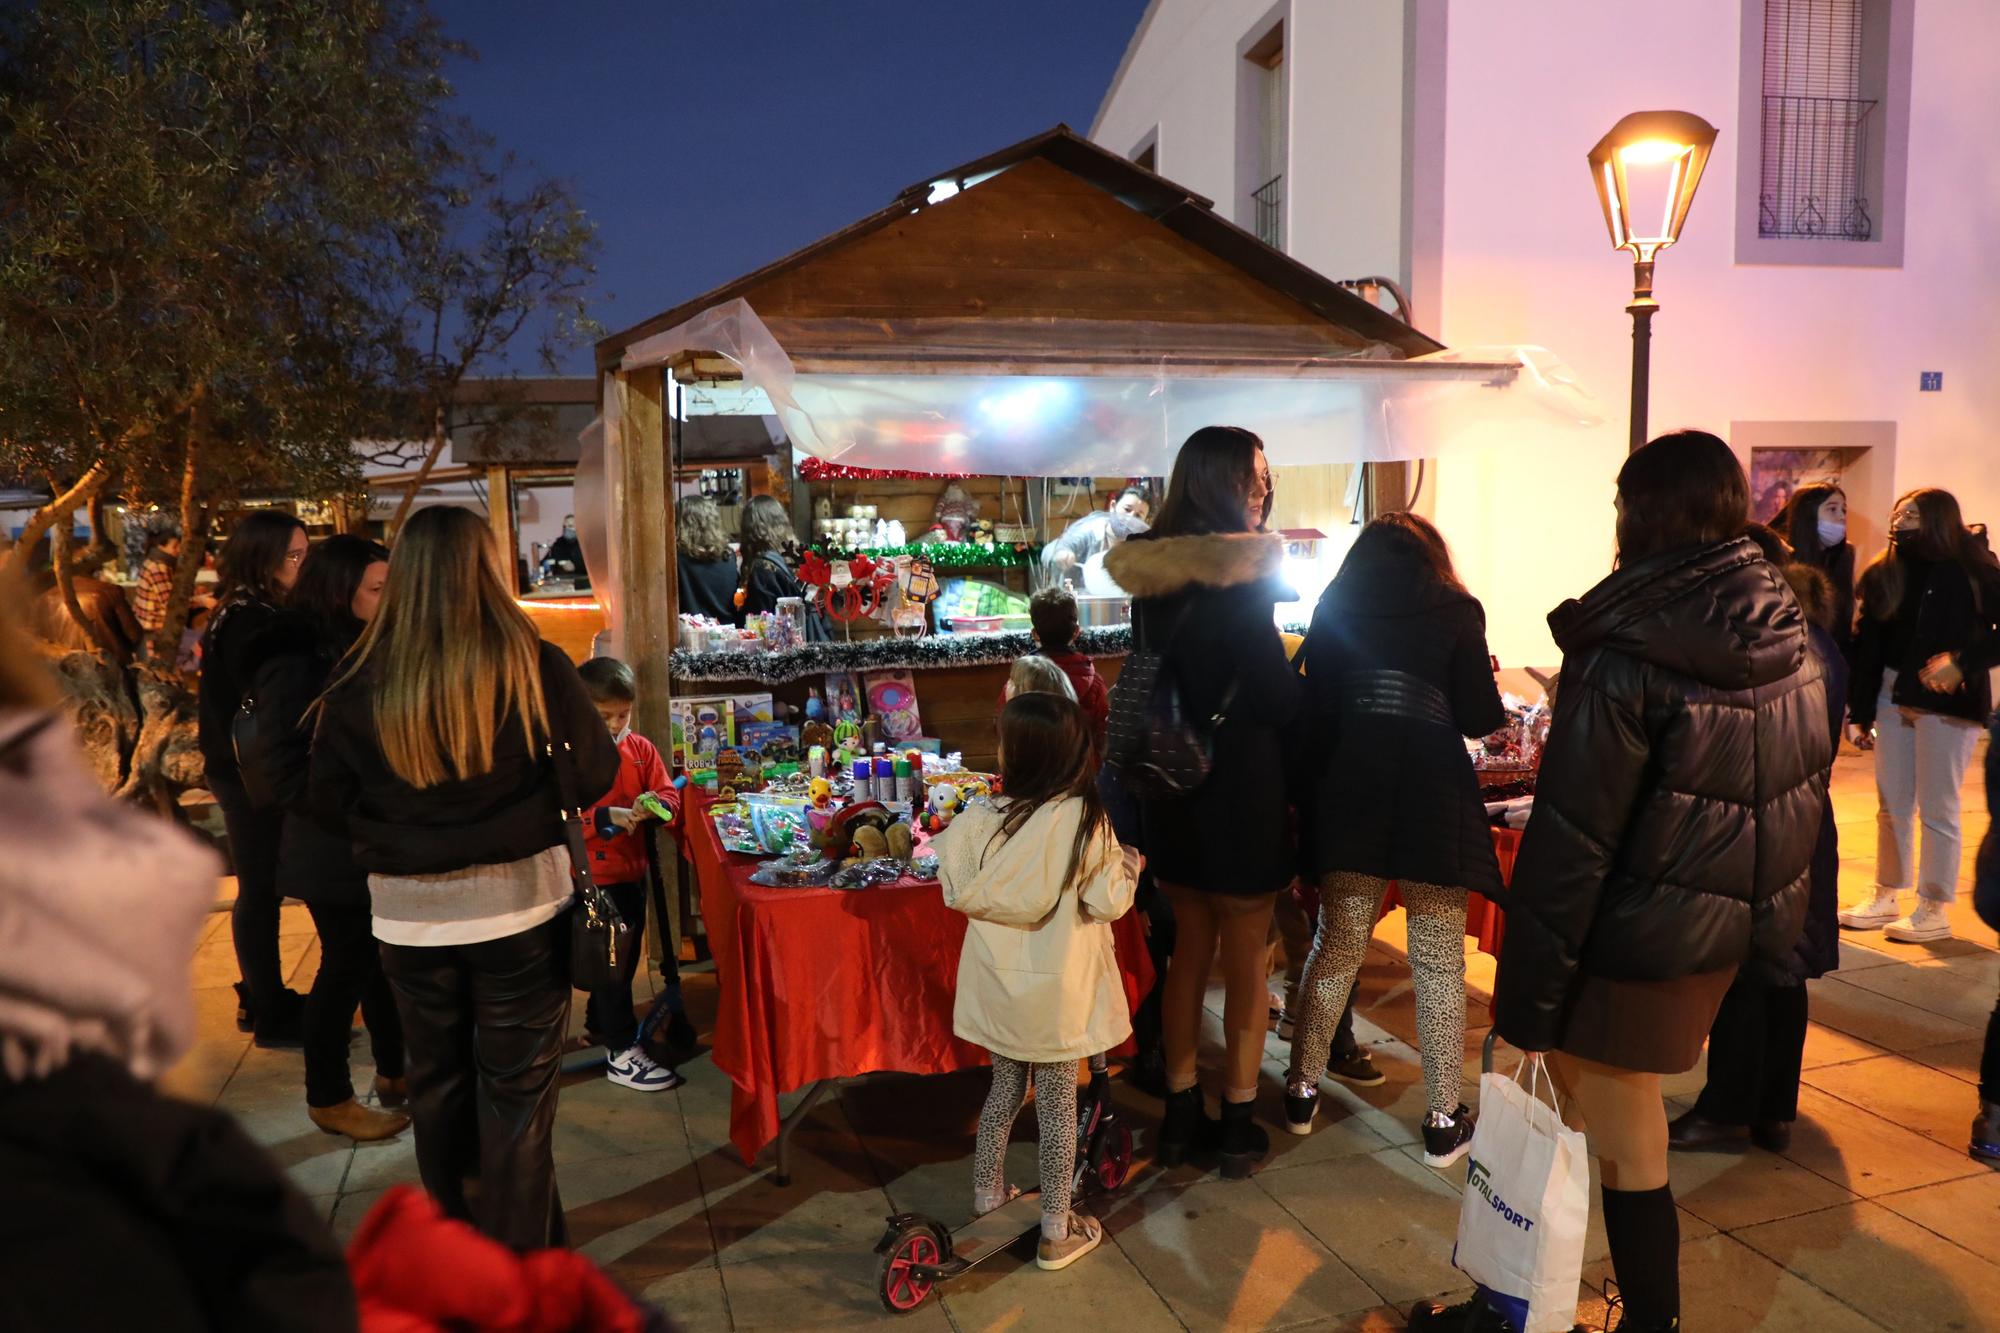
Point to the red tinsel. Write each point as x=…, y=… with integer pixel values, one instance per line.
x=816, y=469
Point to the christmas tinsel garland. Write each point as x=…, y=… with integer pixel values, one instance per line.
x=939, y=650
x=945, y=555
x=814, y=469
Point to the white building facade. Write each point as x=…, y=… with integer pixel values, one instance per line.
x=1837, y=261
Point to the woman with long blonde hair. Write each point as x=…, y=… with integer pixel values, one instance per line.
x=436, y=749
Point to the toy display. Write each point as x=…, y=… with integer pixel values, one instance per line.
x=955, y=511
x=700, y=728
x=892, y=697
x=777, y=742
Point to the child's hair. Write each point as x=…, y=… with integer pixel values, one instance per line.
x=608, y=680
x=1047, y=754
x=1052, y=613
x=1038, y=675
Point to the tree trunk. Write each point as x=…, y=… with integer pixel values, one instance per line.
x=66, y=585
x=439, y=438
x=64, y=504
x=166, y=640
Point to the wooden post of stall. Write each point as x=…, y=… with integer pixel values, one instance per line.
x=648, y=588
x=643, y=530
x=500, y=513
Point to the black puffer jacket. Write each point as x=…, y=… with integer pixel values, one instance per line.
x=1680, y=790
x=1205, y=602
x=1396, y=673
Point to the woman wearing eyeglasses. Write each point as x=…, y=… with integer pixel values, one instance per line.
x=1929, y=636
x=259, y=566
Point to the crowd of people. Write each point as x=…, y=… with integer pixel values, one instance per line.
x=390, y=742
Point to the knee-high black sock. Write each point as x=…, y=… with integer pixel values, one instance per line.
x=1645, y=1235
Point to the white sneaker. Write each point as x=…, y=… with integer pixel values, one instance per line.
x=1929, y=922
x=1287, y=1025
x=1872, y=915
x=635, y=1069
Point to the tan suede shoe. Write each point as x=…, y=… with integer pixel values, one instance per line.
x=391, y=1092
x=357, y=1122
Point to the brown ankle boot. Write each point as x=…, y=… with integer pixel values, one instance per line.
x=357, y=1122
x=392, y=1092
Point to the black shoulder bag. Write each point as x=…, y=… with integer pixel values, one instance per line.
x=598, y=936
x=1154, y=746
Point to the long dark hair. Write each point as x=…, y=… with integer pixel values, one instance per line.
x=1211, y=482
x=1801, y=521
x=1047, y=754
x=1683, y=489
x=766, y=528
x=256, y=547
x=327, y=580
x=1941, y=537
x=1399, y=535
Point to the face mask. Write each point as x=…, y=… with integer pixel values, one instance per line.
x=1832, y=531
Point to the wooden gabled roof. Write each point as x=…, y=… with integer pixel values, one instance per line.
x=1051, y=252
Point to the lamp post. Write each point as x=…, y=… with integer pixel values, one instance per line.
x=1660, y=156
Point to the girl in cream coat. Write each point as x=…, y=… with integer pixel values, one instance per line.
x=1042, y=878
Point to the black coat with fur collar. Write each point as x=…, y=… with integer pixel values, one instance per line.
x=1205, y=603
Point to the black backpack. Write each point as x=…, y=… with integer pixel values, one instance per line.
x=1153, y=745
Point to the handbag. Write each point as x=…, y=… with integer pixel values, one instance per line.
x=1526, y=1203
x=1155, y=746
x=598, y=936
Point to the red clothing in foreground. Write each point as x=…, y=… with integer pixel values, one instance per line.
x=1091, y=695
x=621, y=858
x=417, y=1271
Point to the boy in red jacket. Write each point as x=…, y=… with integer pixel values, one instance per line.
x=1052, y=616
x=615, y=837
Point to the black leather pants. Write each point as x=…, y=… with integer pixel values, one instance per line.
x=483, y=1025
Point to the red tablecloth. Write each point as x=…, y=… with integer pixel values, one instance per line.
x=1484, y=920
x=830, y=983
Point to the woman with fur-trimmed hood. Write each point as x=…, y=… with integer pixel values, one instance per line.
x=1204, y=582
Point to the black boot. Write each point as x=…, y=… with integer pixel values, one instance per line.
x=1473, y=1316
x=244, y=1020
x=1986, y=1133
x=1244, y=1141
x=1184, y=1127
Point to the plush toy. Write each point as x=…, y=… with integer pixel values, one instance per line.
x=820, y=792
x=870, y=843
x=902, y=843
x=939, y=808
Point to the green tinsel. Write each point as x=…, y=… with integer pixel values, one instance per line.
x=947, y=555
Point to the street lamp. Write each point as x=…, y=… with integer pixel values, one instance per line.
x=1657, y=156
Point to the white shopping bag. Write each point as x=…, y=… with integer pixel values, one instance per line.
x=1527, y=1201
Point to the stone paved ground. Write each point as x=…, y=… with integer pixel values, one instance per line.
x=1875, y=1218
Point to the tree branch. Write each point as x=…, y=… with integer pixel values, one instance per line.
x=64, y=504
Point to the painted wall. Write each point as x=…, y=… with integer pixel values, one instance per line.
x=1342, y=189
x=1524, y=257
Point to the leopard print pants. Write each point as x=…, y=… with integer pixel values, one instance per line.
x=1055, y=1117
x=1348, y=904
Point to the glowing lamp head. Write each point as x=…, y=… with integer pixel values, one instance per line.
x=1646, y=170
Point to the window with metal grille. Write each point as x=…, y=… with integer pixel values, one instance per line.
x=1821, y=91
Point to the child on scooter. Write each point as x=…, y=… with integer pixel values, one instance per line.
x=1042, y=878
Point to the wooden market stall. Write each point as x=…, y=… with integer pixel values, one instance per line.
x=1051, y=258
x=1048, y=311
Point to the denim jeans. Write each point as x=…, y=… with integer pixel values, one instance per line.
x=1920, y=761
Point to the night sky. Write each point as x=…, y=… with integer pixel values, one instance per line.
x=708, y=139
